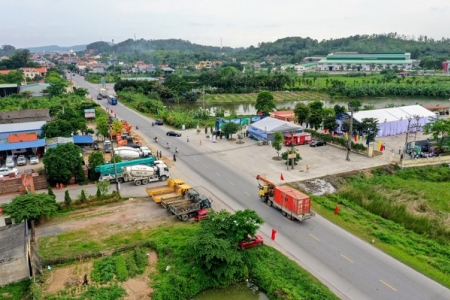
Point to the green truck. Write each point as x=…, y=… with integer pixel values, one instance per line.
x=107, y=170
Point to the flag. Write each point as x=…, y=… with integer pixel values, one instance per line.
x=282, y=177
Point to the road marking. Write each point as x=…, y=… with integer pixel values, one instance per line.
x=347, y=258
x=389, y=286
x=231, y=183
x=218, y=174
x=247, y=194
x=314, y=237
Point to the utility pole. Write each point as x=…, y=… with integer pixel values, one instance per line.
x=114, y=160
x=350, y=135
x=203, y=94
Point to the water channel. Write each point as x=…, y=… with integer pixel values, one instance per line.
x=249, y=108
x=238, y=291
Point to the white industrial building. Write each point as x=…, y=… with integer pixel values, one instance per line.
x=348, y=61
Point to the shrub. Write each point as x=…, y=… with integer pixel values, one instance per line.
x=99, y=194
x=83, y=198
x=140, y=256
x=131, y=264
x=67, y=199
x=121, y=268
x=104, y=270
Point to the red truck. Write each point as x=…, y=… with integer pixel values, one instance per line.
x=293, y=204
x=297, y=139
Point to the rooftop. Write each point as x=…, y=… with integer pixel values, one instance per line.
x=19, y=127
x=25, y=116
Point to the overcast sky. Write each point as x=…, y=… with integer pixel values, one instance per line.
x=240, y=23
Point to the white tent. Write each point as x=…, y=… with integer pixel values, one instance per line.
x=393, y=121
x=265, y=128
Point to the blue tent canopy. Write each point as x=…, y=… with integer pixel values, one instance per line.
x=83, y=139
x=22, y=145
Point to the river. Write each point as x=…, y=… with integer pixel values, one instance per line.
x=249, y=108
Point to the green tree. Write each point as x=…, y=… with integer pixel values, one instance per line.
x=80, y=92
x=301, y=111
x=370, y=126
x=291, y=150
x=440, y=130
x=30, y=207
x=67, y=199
x=62, y=162
x=102, y=126
x=83, y=197
x=14, y=77
x=330, y=124
x=278, y=141
x=315, y=119
x=99, y=194
x=56, y=89
x=103, y=186
x=230, y=128
x=95, y=159
x=80, y=175
x=338, y=109
x=50, y=192
x=265, y=102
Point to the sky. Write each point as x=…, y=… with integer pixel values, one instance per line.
x=239, y=23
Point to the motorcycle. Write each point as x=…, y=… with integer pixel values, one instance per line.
x=156, y=139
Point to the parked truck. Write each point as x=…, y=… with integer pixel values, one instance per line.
x=178, y=190
x=164, y=189
x=103, y=92
x=107, y=170
x=187, y=194
x=190, y=209
x=141, y=174
x=293, y=204
x=297, y=139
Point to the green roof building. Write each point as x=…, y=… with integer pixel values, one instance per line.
x=346, y=61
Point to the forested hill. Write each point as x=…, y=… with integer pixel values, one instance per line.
x=285, y=50
x=293, y=49
x=131, y=45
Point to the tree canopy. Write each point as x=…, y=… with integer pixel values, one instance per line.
x=265, y=102
x=230, y=128
x=30, y=206
x=62, y=162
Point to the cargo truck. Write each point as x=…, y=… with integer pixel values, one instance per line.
x=178, y=190
x=141, y=174
x=188, y=194
x=297, y=139
x=164, y=189
x=103, y=92
x=293, y=204
x=190, y=209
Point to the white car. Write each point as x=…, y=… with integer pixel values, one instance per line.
x=34, y=160
x=6, y=171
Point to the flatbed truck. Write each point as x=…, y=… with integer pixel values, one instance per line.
x=178, y=190
x=184, y=210
x=163, y=189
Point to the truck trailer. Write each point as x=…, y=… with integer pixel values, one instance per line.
x=178, y=190
x=190, y=209
x=293, y=204
x=164, y=189
x=107, y=170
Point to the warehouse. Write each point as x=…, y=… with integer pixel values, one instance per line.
x=348, y=61
x=264, y=129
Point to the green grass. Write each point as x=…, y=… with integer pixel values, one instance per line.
x=14, y=291
x=276, y=275
x=278, y=96
x=377, y=209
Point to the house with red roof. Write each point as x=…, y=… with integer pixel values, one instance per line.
x=33, y=72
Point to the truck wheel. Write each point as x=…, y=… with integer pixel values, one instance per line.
x=283, y=213
x=120, y=180
x=184, y=217
x=163, y=178
x=137, y=182
x=144, y=181
x=270, y=203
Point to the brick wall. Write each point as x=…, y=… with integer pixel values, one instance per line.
x=14, y=185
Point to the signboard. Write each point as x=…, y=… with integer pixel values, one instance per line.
x=103, y=81
x=292, y=156
x=89, y=113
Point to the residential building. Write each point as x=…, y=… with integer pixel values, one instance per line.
x=33, y=72
x=345, y=61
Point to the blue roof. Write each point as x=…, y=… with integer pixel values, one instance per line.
x=83, y=139
x=22, y=145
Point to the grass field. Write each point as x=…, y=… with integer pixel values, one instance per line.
x=405, y=213
x=279, y=97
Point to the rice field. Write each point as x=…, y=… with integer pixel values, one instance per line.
x=279, y=97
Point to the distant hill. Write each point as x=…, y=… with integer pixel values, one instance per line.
x=56, y=48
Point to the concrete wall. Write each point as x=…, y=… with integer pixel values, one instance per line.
x=14, y=271
x=420, y=162
x=14, y=185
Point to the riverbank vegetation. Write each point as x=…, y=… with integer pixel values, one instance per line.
x=403, y=212
x=177, y=273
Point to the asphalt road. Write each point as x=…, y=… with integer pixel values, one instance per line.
x=352, y=268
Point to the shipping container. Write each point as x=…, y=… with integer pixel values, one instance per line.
x=293, y=200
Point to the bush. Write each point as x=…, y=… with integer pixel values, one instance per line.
x=140, y=256
x=131, y=264
x=121, y=268
x=83, y=198
x=67, y=199
x=104, y=270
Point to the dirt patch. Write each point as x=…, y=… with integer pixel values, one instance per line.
x=67, y=277
x=103, y=221
x=138, y=288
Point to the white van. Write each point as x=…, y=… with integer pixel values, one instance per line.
x=10, y=162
